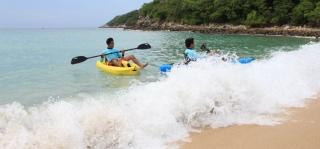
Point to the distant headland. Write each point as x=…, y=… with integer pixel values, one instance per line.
x=295, y=18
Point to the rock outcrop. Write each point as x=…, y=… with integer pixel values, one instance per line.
x=285, y=30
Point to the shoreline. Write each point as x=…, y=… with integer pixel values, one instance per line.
x=285, y=30
x=300, y=131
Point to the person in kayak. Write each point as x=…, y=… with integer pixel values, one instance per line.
x=115, y=59
x=191, y=54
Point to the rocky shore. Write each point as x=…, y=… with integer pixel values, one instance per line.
x=285, y=30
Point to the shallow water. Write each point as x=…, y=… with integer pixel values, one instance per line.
x=47, y=102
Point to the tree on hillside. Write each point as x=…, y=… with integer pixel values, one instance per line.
x=281, y=10
x=257, y=13
x=260, y=12
x=301, y=11
x=314, y=16
x=173, y=14
x=128, y=19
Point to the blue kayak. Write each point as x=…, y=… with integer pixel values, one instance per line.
x=167, y=67
x=245, y=60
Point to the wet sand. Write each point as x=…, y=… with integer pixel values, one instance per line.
x=301, y=131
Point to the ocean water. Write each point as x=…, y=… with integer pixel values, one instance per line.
x=46, y=102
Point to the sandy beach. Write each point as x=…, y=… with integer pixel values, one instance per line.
x=301, y=131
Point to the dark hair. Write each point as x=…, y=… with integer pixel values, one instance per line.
x=109, y=40
x=189, y=41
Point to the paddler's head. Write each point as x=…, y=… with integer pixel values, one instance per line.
x=189, y=43
x=110, y=43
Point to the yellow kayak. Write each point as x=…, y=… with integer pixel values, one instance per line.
x=128, y=69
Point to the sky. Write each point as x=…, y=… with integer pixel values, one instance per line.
x=63, y=13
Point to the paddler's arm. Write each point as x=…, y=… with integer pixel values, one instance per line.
x=122, y=52
x=196, y=55
x=118, y=54
x=102, y=56
x=213, y=52
x=193, y=54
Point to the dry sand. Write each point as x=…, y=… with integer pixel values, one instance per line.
x=301, y=131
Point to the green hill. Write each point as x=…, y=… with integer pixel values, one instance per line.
x=255, y=13
x=128, y=19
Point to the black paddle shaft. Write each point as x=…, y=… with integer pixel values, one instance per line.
x=80, y=59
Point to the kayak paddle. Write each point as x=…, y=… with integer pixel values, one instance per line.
x=80, y=59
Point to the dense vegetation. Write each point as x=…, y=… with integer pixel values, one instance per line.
x=258, y=13
x=128, y=19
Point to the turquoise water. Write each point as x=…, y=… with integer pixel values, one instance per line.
x=36, y=62
x=46, y=102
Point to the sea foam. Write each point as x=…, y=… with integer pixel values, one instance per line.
x=155, y=115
